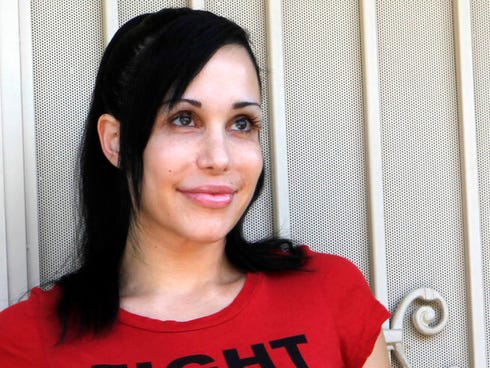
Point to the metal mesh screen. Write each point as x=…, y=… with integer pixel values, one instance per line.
x=325, y=128
x=423, y=209
x=63, y=79
x=481, y=46
x=423, y=199
x=250, y=14
x=130, y=8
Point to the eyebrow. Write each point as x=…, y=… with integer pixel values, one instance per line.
x=236, y=105
x=239, y=105
x=189, y=101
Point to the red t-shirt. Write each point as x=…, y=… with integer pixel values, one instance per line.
x=326, y=317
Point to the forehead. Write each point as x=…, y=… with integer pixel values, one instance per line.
x=230, y=70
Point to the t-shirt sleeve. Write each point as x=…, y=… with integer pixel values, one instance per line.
x=20, y=343
x=359, y=315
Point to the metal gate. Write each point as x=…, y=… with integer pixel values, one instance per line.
x=377, y=147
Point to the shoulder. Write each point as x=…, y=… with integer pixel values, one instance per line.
x=39, y=302
x=332, y=266
x=358, y=314
x=37, y=297
x=326, y=259
x=335, y=277
x=338, y=277
x=23, y=326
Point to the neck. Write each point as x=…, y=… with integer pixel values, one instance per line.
x=152, y=267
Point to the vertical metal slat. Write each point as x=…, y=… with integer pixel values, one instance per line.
x=471, y=208
x=197, y=4
x=30, y=177
x=12, y=150
x=372, y=123
x=280, y=188
x=110, y=19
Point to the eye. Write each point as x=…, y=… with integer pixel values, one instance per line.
x=183, y=119
x=242, y=124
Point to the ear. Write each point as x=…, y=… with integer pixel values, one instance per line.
x=108, y=129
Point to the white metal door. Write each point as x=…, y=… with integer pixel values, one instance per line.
x=378, y=147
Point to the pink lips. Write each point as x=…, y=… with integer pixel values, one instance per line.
x=211, y=196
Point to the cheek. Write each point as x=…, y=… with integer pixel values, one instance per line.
x=252, y=162
x=260, y=163
x=159, y=169
x=165, y=155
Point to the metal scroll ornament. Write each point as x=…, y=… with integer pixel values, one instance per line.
x=424, y=320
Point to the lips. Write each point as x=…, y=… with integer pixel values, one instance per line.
x=210, y=196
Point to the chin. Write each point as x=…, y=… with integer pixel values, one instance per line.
x=210, y=237
x=207, y=235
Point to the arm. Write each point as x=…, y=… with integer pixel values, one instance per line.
x=379, y=355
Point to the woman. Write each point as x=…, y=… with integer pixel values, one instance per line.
x=170, y=163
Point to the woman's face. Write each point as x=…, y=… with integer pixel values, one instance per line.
x=203, y=158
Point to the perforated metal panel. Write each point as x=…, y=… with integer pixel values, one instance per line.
x=326, y=152
x=481, y=48
x=130, y=8
x=67, y=44
x=250, y=14
x=325, y=127
x=423, y=200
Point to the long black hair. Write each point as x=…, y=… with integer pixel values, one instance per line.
x=151, y=59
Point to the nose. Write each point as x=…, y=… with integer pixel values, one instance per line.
x=214, y=154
